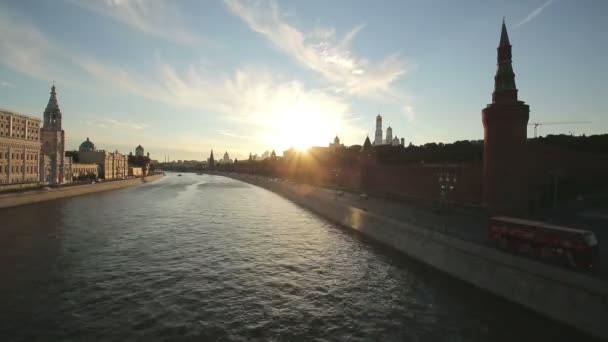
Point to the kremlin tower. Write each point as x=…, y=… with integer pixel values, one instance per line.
x=505, y=123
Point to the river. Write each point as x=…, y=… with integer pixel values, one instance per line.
x=207, y=258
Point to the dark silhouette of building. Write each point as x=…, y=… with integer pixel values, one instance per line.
x=505, y=123
x=211, y=161
x=367, y=146
x=139, y=151
x=87, y=145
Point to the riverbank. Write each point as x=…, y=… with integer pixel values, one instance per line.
x=571, y=298
x=28, y=197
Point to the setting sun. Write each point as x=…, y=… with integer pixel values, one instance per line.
x=301, y=120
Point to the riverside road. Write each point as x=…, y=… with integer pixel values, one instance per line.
x=463, y=223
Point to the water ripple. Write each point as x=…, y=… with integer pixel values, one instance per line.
x=209, y=258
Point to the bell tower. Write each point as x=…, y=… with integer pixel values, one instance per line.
x=378, y=135
x=505, y=122
x=53, y=139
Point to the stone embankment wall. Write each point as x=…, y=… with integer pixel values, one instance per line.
x=16, y=199
x=568, y=297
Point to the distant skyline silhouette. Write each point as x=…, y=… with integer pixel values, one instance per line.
x=184, y=77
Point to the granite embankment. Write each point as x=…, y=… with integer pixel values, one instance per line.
x=573, y=298
x=33, y=196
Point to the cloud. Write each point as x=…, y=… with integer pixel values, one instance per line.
x=250, y=101
x=534, y=13
x=158, y=18
x=24, y=48
x=321, y=51
x=6, y=84
x=118, y=124
x=275, y=113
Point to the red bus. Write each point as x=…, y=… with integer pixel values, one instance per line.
x=568, y=246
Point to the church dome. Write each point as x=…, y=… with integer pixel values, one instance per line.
x=139, y=151
x=87, y=145
x=336, y=140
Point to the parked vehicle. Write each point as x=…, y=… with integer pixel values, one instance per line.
x=572, y=247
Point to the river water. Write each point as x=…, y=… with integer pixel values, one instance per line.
x=206, y=258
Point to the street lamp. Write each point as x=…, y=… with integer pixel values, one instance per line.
x=447, y=183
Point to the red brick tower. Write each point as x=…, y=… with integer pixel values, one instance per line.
x=505, y=123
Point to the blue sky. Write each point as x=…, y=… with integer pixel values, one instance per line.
x=181, y=77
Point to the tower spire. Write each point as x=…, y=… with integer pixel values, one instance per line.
x=52, y=113
x=504, y=37
x=504, y=81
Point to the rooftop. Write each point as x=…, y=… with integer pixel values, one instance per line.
x=12, y=112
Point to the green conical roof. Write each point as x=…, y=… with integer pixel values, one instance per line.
x=367, y=145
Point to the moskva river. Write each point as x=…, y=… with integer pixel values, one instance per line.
x=207, y=258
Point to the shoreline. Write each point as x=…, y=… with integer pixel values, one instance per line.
x=567, y=297
x=11, y=200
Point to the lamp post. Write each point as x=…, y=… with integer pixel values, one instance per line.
x=447, y=183
x=337, y=174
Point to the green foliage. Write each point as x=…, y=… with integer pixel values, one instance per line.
x=459, y=151
x=138, y=161
x=593, y=143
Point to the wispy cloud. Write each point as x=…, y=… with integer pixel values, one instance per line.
x=534, y=13
x=25, y=48
x=320, y=50
x=250, y=100
x=158, y=18
x=6, y=84
x=113, y=123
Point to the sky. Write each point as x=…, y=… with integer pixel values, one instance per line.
x=182, y=77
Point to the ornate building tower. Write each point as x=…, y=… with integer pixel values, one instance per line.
x=505, y=123
x=389, y=135
x=378, y=136
x=53, y=139
x=139, y=151
x=211, y=160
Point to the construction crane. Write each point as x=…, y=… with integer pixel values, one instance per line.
x=537, y=124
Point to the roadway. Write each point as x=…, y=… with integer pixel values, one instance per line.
x=462, y=223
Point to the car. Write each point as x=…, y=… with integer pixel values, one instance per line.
x=364, y=196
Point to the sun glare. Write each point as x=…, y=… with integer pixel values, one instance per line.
x=301, y=122
x=305, y=132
